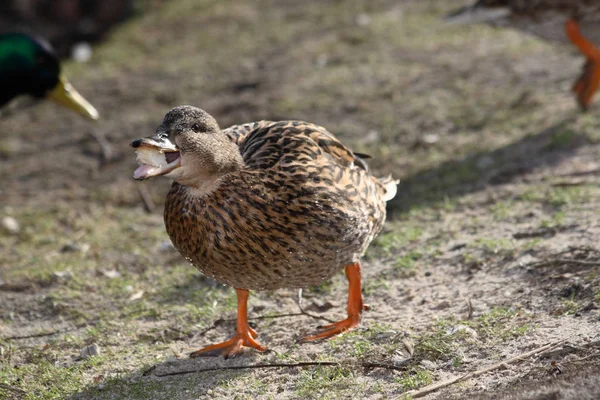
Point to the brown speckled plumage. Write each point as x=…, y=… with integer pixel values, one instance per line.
x=263, y=206
x=299, y=210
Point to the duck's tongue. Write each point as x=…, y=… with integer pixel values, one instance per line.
x=144, y=171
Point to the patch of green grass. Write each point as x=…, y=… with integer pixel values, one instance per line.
x=559, y=197
x=569, y=306
x=561, y=138
x=405, y=265
x=414, y=378
x=555, y=220
x=325, y=382
x=138, y=389
x=501, y=210
x=362, y=342
x=441, y=344
x=499, y=324
x=376, y=284
x=495, y=245
x=43, y=378
x=400, y=235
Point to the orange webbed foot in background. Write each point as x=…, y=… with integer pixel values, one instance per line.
x=244, y=336
x=587, y=84
x=355, y=308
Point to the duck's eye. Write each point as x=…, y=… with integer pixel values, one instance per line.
x=196, y=128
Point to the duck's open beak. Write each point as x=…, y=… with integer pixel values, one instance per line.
x=156, y=156
x=66, y=95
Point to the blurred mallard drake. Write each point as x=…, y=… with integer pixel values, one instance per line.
x=28, y=66
x=265, y=205
x=575, y=21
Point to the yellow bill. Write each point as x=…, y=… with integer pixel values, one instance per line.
x=66, y=95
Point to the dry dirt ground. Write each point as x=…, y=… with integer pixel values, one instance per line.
x=490, y=251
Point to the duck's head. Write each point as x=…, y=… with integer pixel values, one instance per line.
x=29, y=66
x=188, y=147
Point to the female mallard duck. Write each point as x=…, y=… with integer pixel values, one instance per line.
x=577, y=21
x=29, y=66
x=265, y=205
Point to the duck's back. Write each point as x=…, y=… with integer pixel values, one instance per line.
x=302, y=207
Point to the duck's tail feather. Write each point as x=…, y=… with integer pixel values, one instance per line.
x=390, y=187
x=476, y=13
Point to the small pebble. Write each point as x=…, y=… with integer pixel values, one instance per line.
x=63, y=275
x=463, y=328
x=75, y=248
x=11, y=225
x=81, y=52
x=92, y=350
x=111, y=274
x=443, y=305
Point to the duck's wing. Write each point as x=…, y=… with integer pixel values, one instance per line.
x=264, y=144
x=238, y=133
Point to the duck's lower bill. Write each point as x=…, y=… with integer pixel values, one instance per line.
x=155, y=161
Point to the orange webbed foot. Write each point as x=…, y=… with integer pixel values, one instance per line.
x=244, y=336
x=232, y=347
x=587, y=84
x=333, y=329
x=355, y=307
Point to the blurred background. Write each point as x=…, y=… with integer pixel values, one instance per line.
x=65, y=23
x=498, y=168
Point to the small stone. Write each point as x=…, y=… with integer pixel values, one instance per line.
x=81, y=52
x=136, y=296
x=92, y=350
x=66, y=275
x=429, y=365
x=386, y=335
x=75, y=248
x=363, y=20
x=111, y=274
x=463, y=328
x=11, y=225
x=443, y=305
x=430, y=138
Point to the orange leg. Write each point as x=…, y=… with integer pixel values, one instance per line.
x=355, y=307
x=587, y=84
x=244, y=334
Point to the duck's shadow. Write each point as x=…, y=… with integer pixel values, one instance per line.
x=181, y=379
x=202, y=377
x=475, y=172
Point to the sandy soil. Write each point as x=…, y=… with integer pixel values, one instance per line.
x=490, y=250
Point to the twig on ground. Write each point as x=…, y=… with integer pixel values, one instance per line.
x=470, y=309
x=49, y=333
x=433, y=387
x=568, y=261
x=284, y=365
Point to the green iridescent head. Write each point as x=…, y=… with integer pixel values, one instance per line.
x=28, y=66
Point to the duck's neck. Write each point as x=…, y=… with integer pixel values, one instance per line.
x=203, y=187
x=208, y=179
